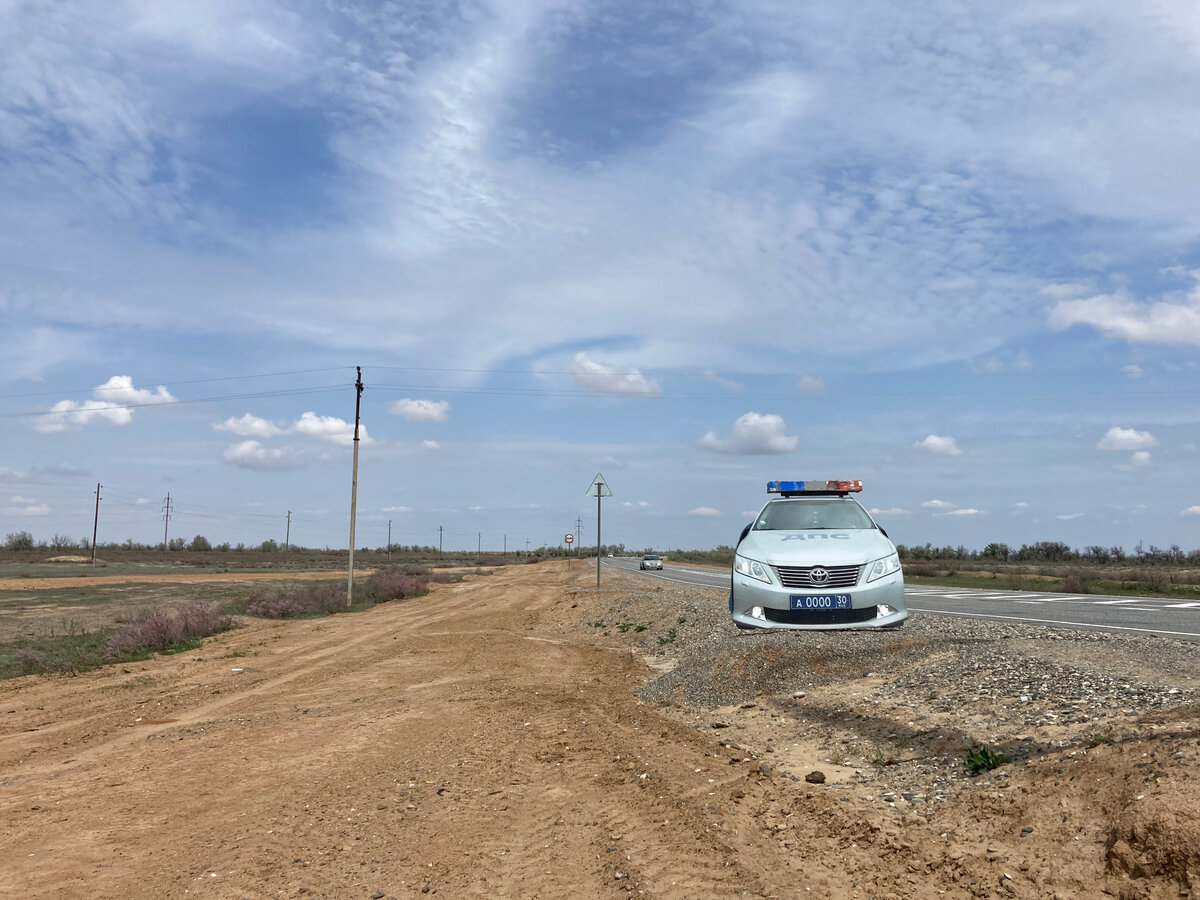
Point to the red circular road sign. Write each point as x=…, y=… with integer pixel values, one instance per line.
x=570, y=539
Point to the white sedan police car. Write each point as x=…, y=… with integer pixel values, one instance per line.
x=813, y=558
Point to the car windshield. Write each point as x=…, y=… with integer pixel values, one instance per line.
x=649, y=557
x=803, y=514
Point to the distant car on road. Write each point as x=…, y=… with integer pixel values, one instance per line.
x=813, y=558
x=650, y=561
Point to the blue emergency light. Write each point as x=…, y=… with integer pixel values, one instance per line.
x=788, y=488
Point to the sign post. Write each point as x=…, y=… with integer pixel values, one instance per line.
x=570, y=539
x=598, y=489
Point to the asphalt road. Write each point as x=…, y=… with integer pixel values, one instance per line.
x=1165, y=616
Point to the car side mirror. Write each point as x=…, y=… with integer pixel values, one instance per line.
x=745, y=531
x=881, y=531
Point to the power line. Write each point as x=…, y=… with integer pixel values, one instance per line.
x=66, y=413
x=148, y=385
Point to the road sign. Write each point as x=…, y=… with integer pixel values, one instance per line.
x=598, y=488
x=570, y=538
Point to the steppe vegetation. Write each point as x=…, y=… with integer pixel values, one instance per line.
x=103, y=623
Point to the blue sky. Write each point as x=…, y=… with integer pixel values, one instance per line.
x=951, y=249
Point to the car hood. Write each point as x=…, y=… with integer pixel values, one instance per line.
x=827, y=547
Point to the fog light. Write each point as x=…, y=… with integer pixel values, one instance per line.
x=756, y=612
x=883, y=610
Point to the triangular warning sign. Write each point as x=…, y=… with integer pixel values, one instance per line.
x=598, y=488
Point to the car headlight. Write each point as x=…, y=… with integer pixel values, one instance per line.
x=751, y=569
x=882, y=567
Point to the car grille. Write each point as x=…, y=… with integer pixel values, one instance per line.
x=820, y=616
x=801, y=576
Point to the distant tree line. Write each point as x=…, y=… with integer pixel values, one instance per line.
x=23, y=540
x=1039, y=552
x=1054, y=552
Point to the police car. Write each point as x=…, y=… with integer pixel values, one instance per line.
x=813, y=558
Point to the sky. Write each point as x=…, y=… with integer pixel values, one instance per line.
x=952, y=249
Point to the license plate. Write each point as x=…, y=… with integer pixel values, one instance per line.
x=820, y=601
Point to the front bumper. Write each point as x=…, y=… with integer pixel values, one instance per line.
x=755, y=604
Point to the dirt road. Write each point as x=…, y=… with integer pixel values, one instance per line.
x=472, y=743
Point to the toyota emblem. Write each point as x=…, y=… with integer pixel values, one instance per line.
x=818, y=575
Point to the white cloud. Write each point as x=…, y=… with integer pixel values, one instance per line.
x=1133, y=371
x=1067, y=517
x=811, y=385
x=253, y=455
x=1191, y=511
x=606, y=380
x=937, y=504
x=893, y=511
x=753, y=435
x=249, y=426
x=420, y=410
x=994, y=365
x=734, y=387
x=1063, y=291
x=1117, y=438
x=114, y=404
x=1139, y=460
x=1170, y=321
x=969, y=511
x=25, y=506
x=937, y=444
x=329, y=428
x=430, y=445
x=703, y=511
x=11, y=476
x=641, y=504
x=396, y=509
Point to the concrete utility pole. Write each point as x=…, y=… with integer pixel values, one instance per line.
x=478, y=543
x=287, y=536
x=389, y=540
x=166, y=518
x=96, y=523
x=598, y=489
x=358, y=389
x=439, y=540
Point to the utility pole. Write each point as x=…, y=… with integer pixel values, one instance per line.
x=389, y=540
x=166, y=518
x=439, y=540
x=358, y=389
x=478, y=542
x=598, y=489
x=506, y=545
x=287, y=537
x=96, y=523
x=526, y=546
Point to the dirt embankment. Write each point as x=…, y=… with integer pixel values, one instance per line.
x=483, y=742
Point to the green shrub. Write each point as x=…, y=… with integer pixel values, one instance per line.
x=981, y=759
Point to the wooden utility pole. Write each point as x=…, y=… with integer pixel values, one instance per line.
x=358, y=389
x=166, y=518
x=96, y=523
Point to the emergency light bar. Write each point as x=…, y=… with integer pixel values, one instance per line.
x=788, y=488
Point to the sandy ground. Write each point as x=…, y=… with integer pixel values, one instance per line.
x=478, y=743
